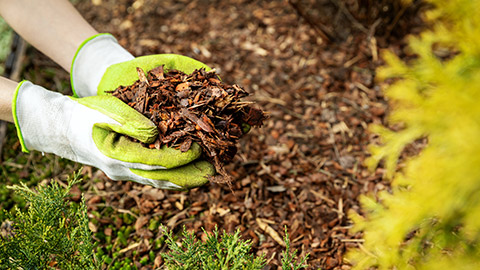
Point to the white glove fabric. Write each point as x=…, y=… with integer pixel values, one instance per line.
x=91, y=61
x=50, y=122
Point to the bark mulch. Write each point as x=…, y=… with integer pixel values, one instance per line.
x=193, y=108
x=311, y=66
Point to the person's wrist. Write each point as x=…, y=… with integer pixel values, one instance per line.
x=92, y=59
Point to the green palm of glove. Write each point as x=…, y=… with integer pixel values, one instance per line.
x=125, y=73
x=157, y=166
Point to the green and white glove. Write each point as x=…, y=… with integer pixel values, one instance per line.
x=101, y=64
x=92, y=59
x=89, y=130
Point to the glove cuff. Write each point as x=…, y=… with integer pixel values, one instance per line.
x=41, y=118
x=91, y=60
x=15, y=117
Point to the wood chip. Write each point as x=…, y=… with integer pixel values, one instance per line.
x=270, y=231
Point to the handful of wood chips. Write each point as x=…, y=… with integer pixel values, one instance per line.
x=196, y=107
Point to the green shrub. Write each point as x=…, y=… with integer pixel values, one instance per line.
x=52, y=233
x=431, y=220
x=217, y=252
x=288, y=257
x=225, y=252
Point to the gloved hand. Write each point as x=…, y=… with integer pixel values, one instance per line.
x=101, y=64
x=88, y=130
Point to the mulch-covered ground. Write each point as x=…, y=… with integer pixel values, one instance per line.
x=311, y=66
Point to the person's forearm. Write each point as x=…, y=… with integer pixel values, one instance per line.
x=7, y=90
x=52, y=26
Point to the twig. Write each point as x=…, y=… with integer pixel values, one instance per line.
x=414, y=7
x=327, y=37
x=372, y=40
x=349, y=16
x=124, y=211
x=395, y=20
x=353, y=240
x=132, y=246
x=373, y=28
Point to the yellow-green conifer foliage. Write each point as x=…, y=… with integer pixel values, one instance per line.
x=431, y=220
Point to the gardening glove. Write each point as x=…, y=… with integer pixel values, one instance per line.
x=101, y=64
x=89, y=130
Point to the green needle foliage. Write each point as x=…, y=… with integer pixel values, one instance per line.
x=431, y=220
x=288, y=257
x=225, y=252
x=51, y=234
